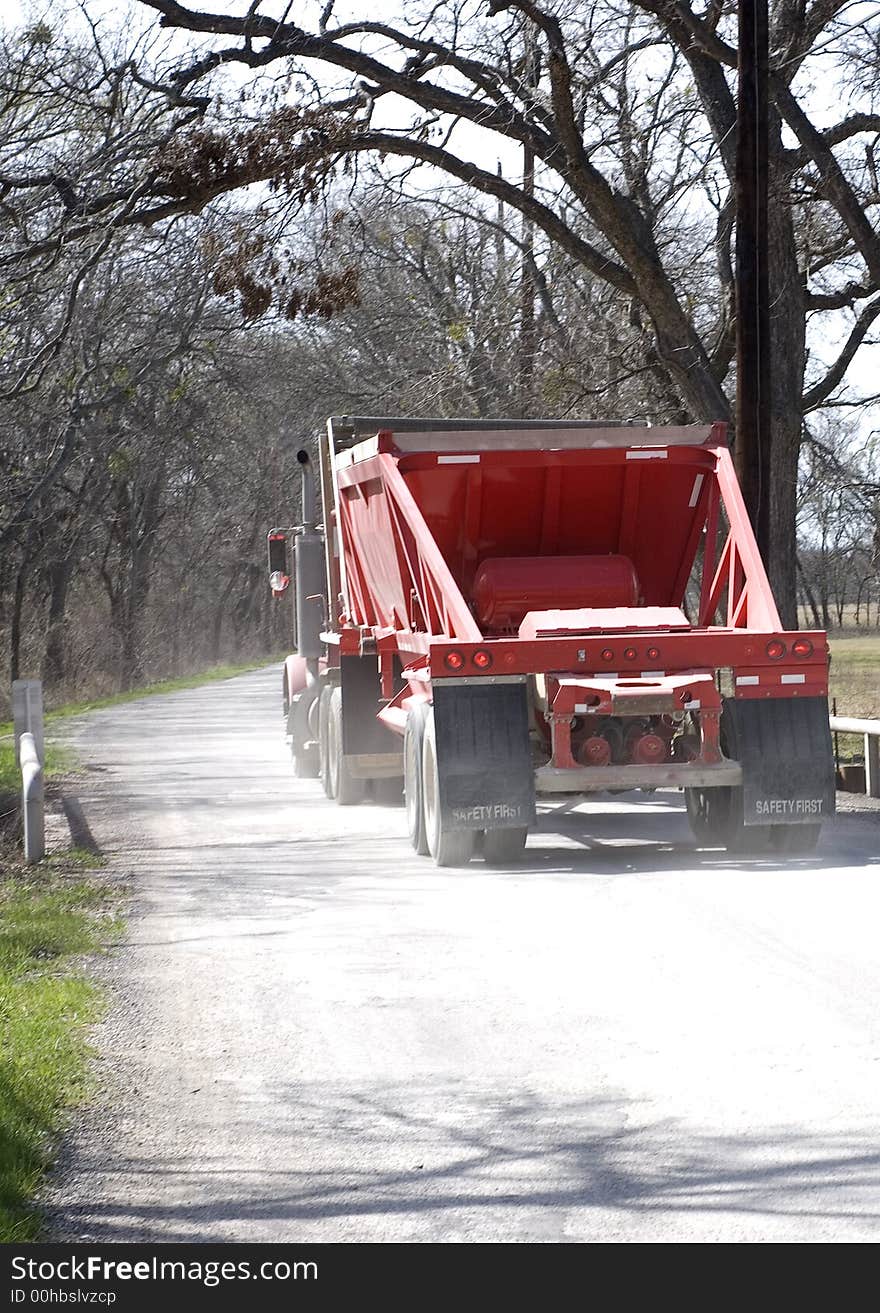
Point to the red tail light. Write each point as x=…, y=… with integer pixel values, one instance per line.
x=630, y=653
x=454, y=660
x=653, y=654
x=607, y=654
x=775, y=649
x=802, y=647
x=482, y=659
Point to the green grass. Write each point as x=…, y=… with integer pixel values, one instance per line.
x=51, y=917
x=47, y=924
x=855, y=675
x=59, y=759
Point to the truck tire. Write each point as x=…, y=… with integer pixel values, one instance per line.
x=323, y=741
x=796, y=839
x=412, y=778
x=716, y=815
x=387, y=792
x=347, y=789
x=448, y=847
x=503, y=846
x=708, y=813
x=306, y=763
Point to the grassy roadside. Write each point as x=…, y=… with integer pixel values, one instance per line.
x=51, y=919
x=854, y=685
x=855, y=675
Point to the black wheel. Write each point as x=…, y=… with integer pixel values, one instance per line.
x=323, y=741
x=388, y=793
x=716, y=820
x=306, y=762
x=708, y=812
x=716, y=815
x=303, y=746
x=347, y=789
x=796, y=839
x=448, y=847
x=503, y=846
x=412, y=778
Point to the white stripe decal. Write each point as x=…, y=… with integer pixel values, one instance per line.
x=695, y=491
x=458, y=460
x=648, y=453
x=792, y=679
x=652, y=674
x=748, y=679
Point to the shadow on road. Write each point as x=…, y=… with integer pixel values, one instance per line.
x=526, y=1168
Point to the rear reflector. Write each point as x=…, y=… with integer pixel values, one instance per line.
x=454, y=660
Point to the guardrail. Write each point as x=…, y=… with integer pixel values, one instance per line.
x=32, y=800
x=27, y=711
x=871, y=731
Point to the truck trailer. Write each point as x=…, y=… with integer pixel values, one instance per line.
x=488, y=613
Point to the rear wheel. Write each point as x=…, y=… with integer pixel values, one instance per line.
x=306, y=760
x=412, y=778
x=716, y=815
x=346, y=788
x=448, y=847
x=305, y=764
x=323, y=741
x=796, y=838
x=708, y=812
x=388, y=792
x=503, y=846
x=716, y=820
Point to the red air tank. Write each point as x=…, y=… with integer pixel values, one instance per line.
x=506, y=587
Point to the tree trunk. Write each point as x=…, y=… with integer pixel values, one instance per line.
x=55, y=655
x=808, y=594
x=15, y=626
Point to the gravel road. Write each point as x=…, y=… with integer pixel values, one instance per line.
x=315, y=1035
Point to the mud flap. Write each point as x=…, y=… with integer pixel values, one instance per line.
x=784, y=747
x=484, y=760
x=361, y=700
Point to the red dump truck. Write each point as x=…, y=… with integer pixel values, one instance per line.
x=496, y=612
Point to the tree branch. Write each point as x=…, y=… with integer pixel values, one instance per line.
x=822, y=390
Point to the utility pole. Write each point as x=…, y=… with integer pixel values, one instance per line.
x=753, y=405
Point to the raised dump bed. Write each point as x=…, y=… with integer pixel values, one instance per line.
x=515, y=609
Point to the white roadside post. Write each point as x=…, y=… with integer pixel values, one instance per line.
x=27, y=710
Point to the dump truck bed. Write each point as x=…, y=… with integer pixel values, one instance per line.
x=559, y=607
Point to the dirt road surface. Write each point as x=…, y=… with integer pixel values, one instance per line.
x=316, y=1035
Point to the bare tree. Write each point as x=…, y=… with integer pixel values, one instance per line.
x=631, y=128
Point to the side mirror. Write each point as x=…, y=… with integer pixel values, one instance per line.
x=279, y=572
